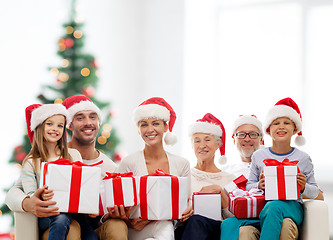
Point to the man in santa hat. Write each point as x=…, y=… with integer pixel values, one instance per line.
x=86, y=120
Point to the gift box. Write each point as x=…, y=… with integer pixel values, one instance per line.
x=246, y=204
x=207, y=205
x=120, y=189
x=281, y=180
x=161, y=197
x=237, y=183
x=75, y=185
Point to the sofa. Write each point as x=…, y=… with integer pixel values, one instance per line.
x=315, y=225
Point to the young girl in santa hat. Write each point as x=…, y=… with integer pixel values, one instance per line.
x=154, y=117
x=282, y=122
x=46, y=130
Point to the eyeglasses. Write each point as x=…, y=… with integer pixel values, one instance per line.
x=252, y=135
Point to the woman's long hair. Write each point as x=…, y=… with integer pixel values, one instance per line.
x=39, y=149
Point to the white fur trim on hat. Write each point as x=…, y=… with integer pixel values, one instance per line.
x=40, y=114
x=151, y=111
x=247, y=119
x=205, y=127
x=283, y=111
x=84, y=106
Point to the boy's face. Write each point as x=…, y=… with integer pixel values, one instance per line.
x=282, y=129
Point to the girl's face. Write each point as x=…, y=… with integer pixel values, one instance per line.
x=282, y=129
x=205, y=146
x=152, y=130
x=54, y=128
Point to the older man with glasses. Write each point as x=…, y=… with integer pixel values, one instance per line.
x=248, y=136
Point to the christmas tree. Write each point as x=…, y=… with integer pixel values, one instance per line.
x=77, y=74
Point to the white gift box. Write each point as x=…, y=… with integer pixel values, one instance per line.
x=207, y=205
x=74, y=190
x=123, y=193
x=158, y=195
x=281, y=183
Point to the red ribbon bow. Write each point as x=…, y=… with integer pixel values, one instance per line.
x=75, y=188
x=117, y=187
x=274, y=162
x=280, y=174
x=174, y=194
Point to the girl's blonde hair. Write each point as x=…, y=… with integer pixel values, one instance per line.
x=39, y=149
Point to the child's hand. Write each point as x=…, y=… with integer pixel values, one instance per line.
x=93, y=215
x=261, y=184
x=301, y=180
x=47, y=194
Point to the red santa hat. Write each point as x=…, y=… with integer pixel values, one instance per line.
x=286, y=108
x=157, y=107
x=209, y=124
x=36, y=114
x=75, y=104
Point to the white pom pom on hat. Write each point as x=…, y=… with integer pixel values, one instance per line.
x=157, y=107
x=209, y=124
x=286, y=108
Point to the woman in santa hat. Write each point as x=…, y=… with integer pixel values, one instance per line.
x=155, y=119
x=207, y=136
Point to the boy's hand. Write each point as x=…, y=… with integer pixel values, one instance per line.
x=47, y=194
x=261, y=184
x=301, y=180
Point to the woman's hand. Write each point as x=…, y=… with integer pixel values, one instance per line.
x=138, y=223
x=301, y=180
x=211, y=188
x=186, y=214
x=261, y=184
x=47, y=194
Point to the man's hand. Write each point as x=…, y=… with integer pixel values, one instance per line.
x=38, y=207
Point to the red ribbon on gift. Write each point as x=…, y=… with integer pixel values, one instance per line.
x=241, y=182
x=280, y=174
x=75, y=188
x=117, y=184
x=174, y=194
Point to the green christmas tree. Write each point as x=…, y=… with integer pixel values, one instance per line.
x=78, y=74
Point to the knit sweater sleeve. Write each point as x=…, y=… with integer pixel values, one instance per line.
x=29, y=178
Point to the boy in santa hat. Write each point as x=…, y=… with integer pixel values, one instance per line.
x=282, y=122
